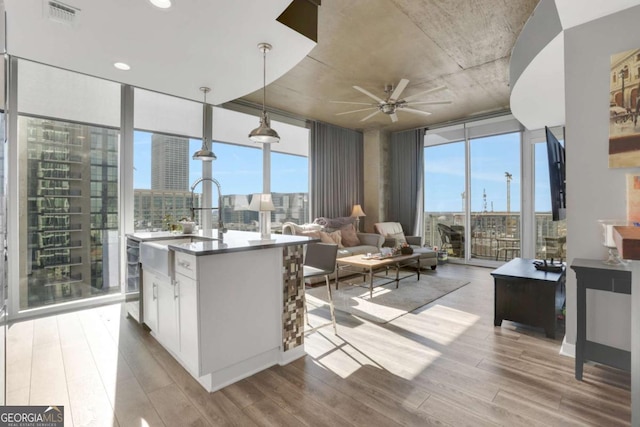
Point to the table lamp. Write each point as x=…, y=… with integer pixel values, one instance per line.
x=357, y=213
x=263, y=204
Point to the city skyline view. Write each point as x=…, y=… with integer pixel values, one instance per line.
x=239, y=171
x=237, y=168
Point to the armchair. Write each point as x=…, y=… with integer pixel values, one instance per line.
x=394, y=236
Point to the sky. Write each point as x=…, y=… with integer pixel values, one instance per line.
x=237, y=168
x=490, y=158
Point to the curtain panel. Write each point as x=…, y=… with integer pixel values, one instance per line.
x=406, y=202
x=336, y=168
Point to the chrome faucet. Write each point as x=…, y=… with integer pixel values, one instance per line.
x=221, y=229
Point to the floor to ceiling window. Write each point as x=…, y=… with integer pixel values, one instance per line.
x=495, y=197
x=69, y=195
x=445, y=206
x=472, y=189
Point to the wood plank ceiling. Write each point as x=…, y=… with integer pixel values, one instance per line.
x=464, y=45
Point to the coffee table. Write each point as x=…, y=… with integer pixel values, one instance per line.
x=357, y=263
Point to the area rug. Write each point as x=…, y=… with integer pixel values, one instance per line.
x=388, y=303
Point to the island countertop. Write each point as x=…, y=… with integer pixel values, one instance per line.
x=233, y=241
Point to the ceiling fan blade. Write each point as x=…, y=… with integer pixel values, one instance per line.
x=430, y=102
x=394, y=117
x=417, y=95
x=411, y=110
x=398, y=90
x=355, y=111
x=349, y=102
x=369, y=94
x=370, y=115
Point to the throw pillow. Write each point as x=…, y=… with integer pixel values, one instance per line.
x=334, y=237
x=349, y=236
x=399, y=237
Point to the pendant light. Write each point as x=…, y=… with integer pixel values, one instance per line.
x=204, y=153
x=264, y=133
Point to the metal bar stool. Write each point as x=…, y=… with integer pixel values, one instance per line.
x=320, y=260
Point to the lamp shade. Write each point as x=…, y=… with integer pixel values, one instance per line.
x=264, y=133
x=357, y=211
x=261, y=203
x=204, y=154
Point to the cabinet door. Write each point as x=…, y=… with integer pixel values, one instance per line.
x=188, y=322
x=167, y=315
x=150, y=300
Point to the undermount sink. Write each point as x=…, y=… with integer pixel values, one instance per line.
x=157, y=255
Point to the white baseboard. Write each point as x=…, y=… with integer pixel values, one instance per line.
x=287, y=357
x=567, y=349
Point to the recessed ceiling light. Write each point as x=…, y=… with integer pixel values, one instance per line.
x=162, y=4
x=122, y=66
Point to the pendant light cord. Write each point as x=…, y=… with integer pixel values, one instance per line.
x=264, y=80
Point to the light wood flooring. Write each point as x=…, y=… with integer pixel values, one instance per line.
x=443, y=364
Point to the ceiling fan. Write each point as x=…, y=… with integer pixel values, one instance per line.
x=393, y=102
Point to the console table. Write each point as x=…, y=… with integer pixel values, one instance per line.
x=594, y=274
x=526, y=295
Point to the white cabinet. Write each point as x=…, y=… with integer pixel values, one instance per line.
x=188, y=321
x=150, y=299
x=161, y=308
x=167, y=332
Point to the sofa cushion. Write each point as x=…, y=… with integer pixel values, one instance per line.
x=349, y=236
x=333, y=237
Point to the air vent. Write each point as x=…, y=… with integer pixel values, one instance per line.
x=62, y=13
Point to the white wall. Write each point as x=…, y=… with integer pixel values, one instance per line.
x=593, y=190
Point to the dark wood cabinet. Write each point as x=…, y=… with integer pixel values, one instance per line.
x=529, y=296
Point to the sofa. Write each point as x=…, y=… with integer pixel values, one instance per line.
x=340, y=231
x=394, y=237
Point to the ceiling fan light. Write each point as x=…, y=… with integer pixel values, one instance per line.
x=263, y=133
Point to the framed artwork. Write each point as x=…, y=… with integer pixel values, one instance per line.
x=624, y=109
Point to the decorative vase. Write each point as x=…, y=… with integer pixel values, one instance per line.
x=407, y=250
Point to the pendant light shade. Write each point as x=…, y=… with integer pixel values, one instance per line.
x=204, y=153
x=263, y=133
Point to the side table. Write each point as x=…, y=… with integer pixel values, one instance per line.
x=594, y=274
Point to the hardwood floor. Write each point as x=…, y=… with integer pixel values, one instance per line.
x=443, y=364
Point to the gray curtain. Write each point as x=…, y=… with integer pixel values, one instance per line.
x=336, y=163
x=407, y=181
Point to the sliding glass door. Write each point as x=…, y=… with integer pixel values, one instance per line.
x=472, y=190
x=444, y=176
x=495, y=197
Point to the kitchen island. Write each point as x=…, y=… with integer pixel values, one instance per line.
x=224, y=310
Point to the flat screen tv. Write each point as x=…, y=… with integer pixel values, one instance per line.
x=555, y=154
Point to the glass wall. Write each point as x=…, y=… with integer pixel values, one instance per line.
x=445, y=205
x=495, y=197
x=69, y=187
x=472, y=189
